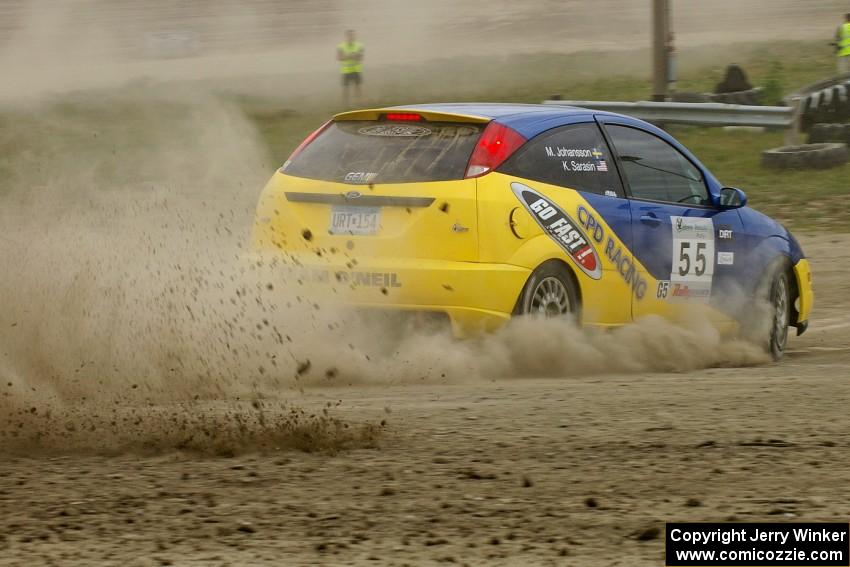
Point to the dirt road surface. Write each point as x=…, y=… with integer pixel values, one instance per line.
x=566, y=469
x=554, y=471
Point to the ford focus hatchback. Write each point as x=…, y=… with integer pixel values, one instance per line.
x=481, y=212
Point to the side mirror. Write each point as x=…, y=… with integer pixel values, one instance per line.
x=732, y=198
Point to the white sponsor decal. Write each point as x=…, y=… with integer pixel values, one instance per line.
x=567, y=152
x=360, y=177
x=725, y=258
x=693, y=258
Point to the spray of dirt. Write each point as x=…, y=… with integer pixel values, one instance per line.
x=130, y=315
x=133, y=315
x=131, y=312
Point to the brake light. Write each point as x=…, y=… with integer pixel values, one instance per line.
x=306, y=143
x=496, y=144
x=403, y=116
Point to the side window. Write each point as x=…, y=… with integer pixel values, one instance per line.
x=574, y=156
x=655, y=170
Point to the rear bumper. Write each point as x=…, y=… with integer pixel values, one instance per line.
x=805, y=300
x=475, y=296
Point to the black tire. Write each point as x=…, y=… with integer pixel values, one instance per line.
x=820, y=133
x=766, y=322
x=685, y=96
x=739, y=97
x=836, y=103
x=807, y=156
x=722, y=98
x=755, y=97
x=751, y=97
x=829, y=133
x=779, y=299
x=809, y=109
x=551, y=291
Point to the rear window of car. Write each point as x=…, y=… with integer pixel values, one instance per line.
x=574, y=156
x=388, y=152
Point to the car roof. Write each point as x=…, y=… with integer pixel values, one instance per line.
x=527, y=119
x=533, y=119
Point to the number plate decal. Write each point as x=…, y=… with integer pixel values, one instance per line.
x=355, y=220
x=693, y=259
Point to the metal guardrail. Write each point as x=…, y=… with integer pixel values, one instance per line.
x=701, y=114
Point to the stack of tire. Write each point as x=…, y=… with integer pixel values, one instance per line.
x=825, y=108
x=822, y=133
x=830, y=105
x=807, y=156
x=751, y=97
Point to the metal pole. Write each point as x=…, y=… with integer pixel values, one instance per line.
x=660, y=31
x=671, y=51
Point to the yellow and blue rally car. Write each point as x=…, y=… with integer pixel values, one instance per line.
x=485, y=211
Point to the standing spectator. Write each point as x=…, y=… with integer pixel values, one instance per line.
x=842, y=46
x=350, y=55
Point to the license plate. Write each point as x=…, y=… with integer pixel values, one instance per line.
x=355, y=220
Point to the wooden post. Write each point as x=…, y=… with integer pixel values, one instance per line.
x=660, y=32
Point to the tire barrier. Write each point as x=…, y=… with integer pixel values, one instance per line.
x=828, y=105
x=821, y=133
x=751, y=97
x=807, y=156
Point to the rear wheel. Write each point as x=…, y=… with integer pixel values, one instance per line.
x=551, y=291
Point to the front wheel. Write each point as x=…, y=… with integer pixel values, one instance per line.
x=780, y=311
x=550, y=292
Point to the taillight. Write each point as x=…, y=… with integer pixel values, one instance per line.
x=305, y=143
x=495, y=145
x=403, y=116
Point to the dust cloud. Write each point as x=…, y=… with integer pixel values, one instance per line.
x=132, y=313
x=131, y=305
x=49, y=46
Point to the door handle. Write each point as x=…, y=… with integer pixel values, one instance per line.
x=650, y=219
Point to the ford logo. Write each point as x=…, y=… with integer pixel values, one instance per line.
x=353, y=195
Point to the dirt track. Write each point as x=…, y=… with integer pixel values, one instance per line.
x=516, y=471
x=512, y=470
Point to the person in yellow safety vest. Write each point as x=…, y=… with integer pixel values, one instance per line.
x=842, y=46
x=349, y=53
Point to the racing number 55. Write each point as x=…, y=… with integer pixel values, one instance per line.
x=685, y=263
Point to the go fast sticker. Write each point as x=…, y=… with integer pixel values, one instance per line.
x=561, y=228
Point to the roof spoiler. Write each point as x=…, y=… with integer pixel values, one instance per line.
x=429, y=115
